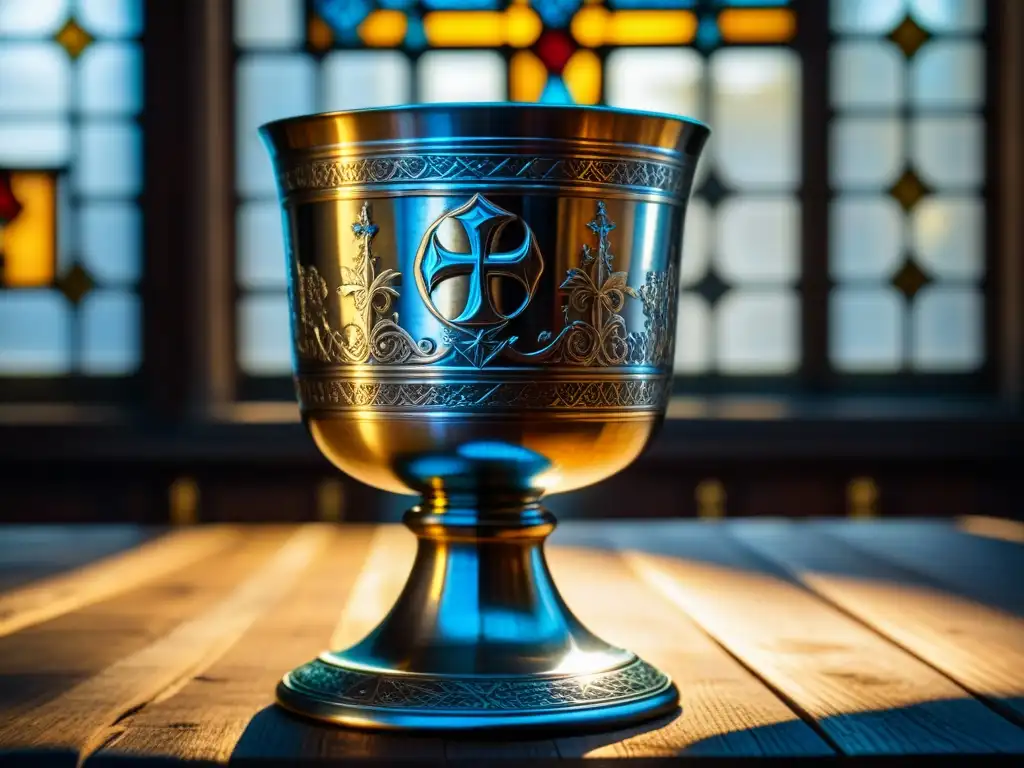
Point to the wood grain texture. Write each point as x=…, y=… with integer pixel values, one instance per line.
x=80, y=719
x=33, y=552
x=979, y=647
x=726, y=711
x=37, y=602
x=868, y=696
x=228, y=711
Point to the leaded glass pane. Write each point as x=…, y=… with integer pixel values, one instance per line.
x=110, y=79
x=269, y=23
x=949, y=236
x=35, y=79
x=110, y=332
x=947, y=329
x=358, y=79
x=758, y=332
x=263, y=334
x=111, y=237
x=260, y=245
x=758, y=240
x=449, y=76
x=35, y=333
x=32, y=18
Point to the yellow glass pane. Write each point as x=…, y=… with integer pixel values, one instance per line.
x=594, y=26
x=28, y=240
x=384, y=29
x=319, y=34
x=749, y=25
x=518, y=26
x=582, y=76
x=528, y=77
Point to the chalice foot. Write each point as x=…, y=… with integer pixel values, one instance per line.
x=479, y=640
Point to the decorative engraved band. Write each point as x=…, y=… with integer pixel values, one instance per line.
x=340, y=393
x=642, y=176
x=522, y=695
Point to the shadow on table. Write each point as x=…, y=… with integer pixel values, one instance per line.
x=275, y=737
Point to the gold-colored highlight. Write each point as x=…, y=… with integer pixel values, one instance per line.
x=710, y=497
x=29, y=240
x=582, y=76
x=528, y=77
x=330, y=501
x=184, y=501
x=593, y=26
x=750, y=25
x=992, y=528
x=319, y=34
x=517, y=26
x=384, y=29
x=862, y=498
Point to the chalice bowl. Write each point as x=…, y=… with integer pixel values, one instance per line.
x=483, y=312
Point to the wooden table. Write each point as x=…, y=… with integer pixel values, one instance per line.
x=786, y=639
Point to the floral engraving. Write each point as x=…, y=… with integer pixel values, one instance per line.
x=339, y=393
x=376, y=336
x=653, y=346
x=518, y=694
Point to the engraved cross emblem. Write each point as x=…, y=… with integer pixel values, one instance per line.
x=482, y=222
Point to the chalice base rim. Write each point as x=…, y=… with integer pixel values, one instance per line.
x=571, y=715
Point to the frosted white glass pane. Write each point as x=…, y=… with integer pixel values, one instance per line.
x=755, y=110
x=949, y=15
x=34, y=332
x=110, y=18
x=109, y=159
x=947, y=329
x=866, y=15
x=866, y=329
x=110, y=332
x=758, y=332
x=110, y=78
x=866, y=237
x=268, y=87
x=461, y=76
x=866, y=152
x=264, y=335
x=696, y=242
x=947, y=73
x=260, y=245
x=34, y=143
x=693, y=335
x=357, y=79
x=949, y=151
x=111, y=235
x=867, y=74
x=758, y=240
x=630, y=82
x=268, y=23
x=34, y=78
x=949, y=236
x=35, y=18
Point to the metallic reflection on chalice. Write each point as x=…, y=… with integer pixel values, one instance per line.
x=483, y=312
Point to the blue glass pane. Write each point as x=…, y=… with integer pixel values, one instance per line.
x=110, y=235
x=651, y=3
x=269, y=23
x=109, y=162
x=399, y=5
x=708, y=35
x=556, y=13
x=110, y=78
x=264, y=335
x=555, y=92
x=461, y=4
x=35, y=78
x=34, y=333
x=34, y=143
x=110, y=333
x=755, y=3
x=415, y=37
x=110, y=18
x=344, y=16
x=32, y=18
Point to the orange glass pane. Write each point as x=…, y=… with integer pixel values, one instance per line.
x=749, y=25
x=528, y=76
x=582, y=76
x=518, y=26
x=594, y=26
x=319, y=34
x=28, y=241
x=384, y=29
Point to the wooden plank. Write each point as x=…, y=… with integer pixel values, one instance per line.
x=37, y=602
x=32, y=552
x=44, y=660
x=985, y=569
x=979, y=647
x=726, y=711
x=78, y=721
x=992, y=527
x=868, y=696
x=228, y=713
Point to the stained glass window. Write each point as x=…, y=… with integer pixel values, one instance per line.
x=907, y=166
x=905, y=88
x=70, y=181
